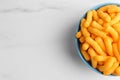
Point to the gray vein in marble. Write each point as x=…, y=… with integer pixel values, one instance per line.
x=5, y=76
x=28, y=10
x=19, y=45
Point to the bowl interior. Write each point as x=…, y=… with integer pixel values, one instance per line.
x=77, y=43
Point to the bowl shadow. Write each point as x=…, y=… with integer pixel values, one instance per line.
x=70, y=46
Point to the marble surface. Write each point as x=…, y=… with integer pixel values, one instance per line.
x=37, y=40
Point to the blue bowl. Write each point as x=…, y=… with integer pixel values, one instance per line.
x=77, y=43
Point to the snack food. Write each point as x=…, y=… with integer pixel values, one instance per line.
x=99, y=39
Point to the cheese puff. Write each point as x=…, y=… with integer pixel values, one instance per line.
x=117, y=27
x=104, y=16
x=118, y=45
x=112, y=32
x=96, y=25
x=92, y=53
x=114, y=9
x=100, y=21
x=116, y=52
x=97, y=32
x=85, y=32
x=95, y=46
x=115, y=19
x=82, y=22
x=85, y=46
x=108, y=45
x=100, y=41
x=78, y=34
x=82, y=39
x=88, y=19
x=108, y=64
x=105, y=8
x=111, y=70
x=112, y=15
x=100, y=58
x=85, y=55
x=95, y=15
x=117, y=70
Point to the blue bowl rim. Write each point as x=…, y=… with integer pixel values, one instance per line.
x=76, y=40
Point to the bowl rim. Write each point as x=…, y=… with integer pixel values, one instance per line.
x=76, y=40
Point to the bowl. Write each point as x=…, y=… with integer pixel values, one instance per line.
x=77, y=43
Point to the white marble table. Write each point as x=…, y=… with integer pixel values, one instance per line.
x=36, y=40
